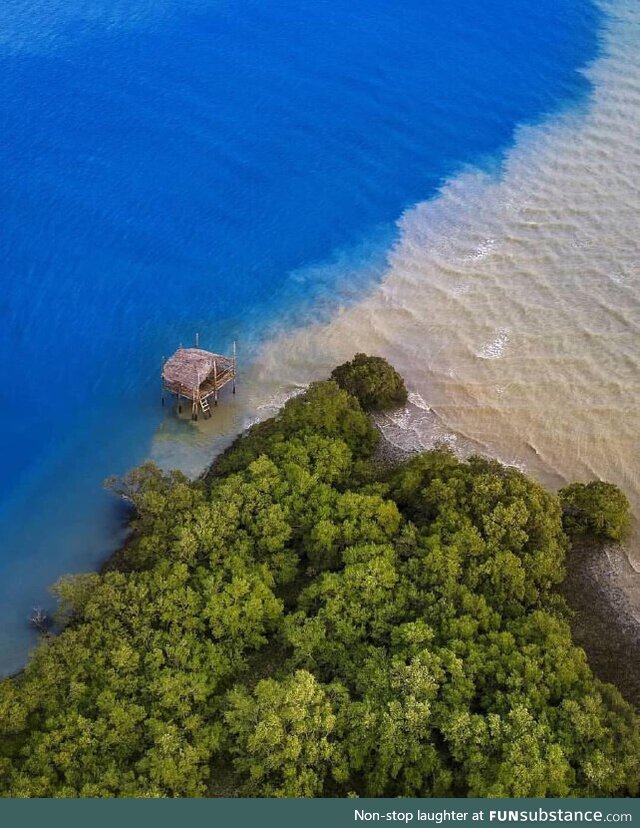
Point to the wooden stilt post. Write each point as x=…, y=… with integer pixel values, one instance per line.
x=215, y=383
x=162, y=380
x=234, y=367
x=196, y=397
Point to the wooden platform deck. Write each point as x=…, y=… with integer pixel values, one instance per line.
x=206, y=389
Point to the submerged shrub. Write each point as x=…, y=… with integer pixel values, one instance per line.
x=376, y=384
x=597, y=508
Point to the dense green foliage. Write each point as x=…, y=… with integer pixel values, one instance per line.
x=303, y=623
x=324, y=409
x=372, y=381
x=597, y=509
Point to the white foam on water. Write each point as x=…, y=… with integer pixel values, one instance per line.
x=413, y=430
x=496, y=348
x=418, y=401
x=275, y=402
x=483, y=249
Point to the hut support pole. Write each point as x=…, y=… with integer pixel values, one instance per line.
x=162, y=382
x=196, y=397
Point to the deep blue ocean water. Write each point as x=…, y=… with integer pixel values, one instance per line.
x=169, y=167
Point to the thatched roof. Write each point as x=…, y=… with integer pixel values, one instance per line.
x=189, y=367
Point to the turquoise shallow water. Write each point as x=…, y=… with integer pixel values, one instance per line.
x=213, y=166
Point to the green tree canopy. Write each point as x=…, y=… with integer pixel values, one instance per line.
x=304, y=623
x=597, y=508
x=280, y=736
x=323, y=410
x=372, y=381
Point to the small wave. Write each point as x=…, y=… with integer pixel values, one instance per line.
x=459, y=289
x=520, y=465
x=418, y=401
x=275, y=403
x=483, y=249
x=496, y=348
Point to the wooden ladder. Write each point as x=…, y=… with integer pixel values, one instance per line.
x=204, y=404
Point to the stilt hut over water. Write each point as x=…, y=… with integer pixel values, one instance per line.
x=197, y=376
